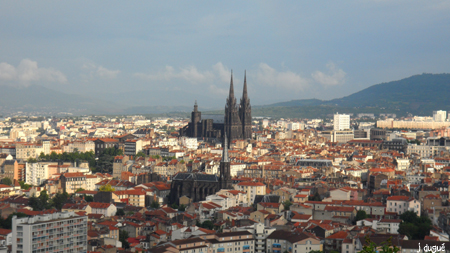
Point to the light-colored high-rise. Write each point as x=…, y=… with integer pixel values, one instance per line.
x=439, y=116
x=341, y=122
x=57, y=232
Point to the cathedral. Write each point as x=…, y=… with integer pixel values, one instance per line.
x=197, y=186
x=236, y=124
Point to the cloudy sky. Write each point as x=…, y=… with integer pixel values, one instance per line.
x=177, y=51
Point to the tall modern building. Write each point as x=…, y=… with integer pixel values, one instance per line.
x=236, y=123
x=439, y=116
x=57, y=232
x=341, y=122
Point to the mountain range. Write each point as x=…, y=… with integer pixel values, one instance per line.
x=418, y=95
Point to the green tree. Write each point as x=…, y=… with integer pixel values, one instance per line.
x=361, y=215
x=106, y=188
x=36, y=203
x=59, y=200
x=7, y=181
x=120, y=212
x=43, y=196
x=80, y=190
x=315, y=197
x=416, y=228
x=140, y=154
x=154, y=204
x=287, y=204
x=207, y=224
x=385, y=247
x=123, y=236
x=89, y=198
x=182, y=208
x=7, y=223
x=24, y=186
x=31, y=160
x=174, y=206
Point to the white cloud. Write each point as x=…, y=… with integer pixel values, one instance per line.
x=28, y=71
x=190, y=74
x=289, y=80
x=335, y=76
x=99, y=71
x=223, y=72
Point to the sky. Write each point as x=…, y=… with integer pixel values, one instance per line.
x=174, y=52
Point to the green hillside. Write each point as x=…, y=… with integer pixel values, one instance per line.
x=418, y=95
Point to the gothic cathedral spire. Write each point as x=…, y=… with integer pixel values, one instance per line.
x=245, y=112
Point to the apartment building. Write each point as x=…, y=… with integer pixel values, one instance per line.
x=57, y=232
x=11, y=170
x=282, y=241
x=36, y=173
x=401, y=204
x=238, y=242
x=252, y=189
x=71, y=182
x=32, y=150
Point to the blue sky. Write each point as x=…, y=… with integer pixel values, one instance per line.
x=177, y=51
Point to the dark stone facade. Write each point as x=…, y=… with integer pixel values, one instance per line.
x=197, y=186
x=237, y=119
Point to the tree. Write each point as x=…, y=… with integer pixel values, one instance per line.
x=182, y=208
x=154, y=204
x=24, y=186
x=416, y=228
x=89, y=198
x=80, y=190
x=7, y=223
x=7, y=181
x=361, y=215
x=384, y=247
x=106, y=188
x=31, y=160
x=140, y=154
x=207, y=224
x=43, y=196
x=123, y=236
x=174, y=206
x=120, y=212
x=287, y=204
x=59, y=200
x=316, y=197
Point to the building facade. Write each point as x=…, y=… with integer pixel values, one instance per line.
x=57, y=232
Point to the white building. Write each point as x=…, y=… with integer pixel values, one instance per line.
x=402, y=164
x=341, y=122
x=189, y=143
x=36, y=173
x=252, y=189
x=57, y=232
x=401, y=204
x=439, y=116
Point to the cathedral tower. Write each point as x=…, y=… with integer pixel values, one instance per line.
x=232, y=122
x=245, y=112
x=224, y=168
x=196, y=116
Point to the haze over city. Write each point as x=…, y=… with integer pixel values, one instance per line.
x=175, y=52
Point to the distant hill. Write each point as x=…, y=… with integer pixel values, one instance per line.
x=42, y=100
x=419, y=95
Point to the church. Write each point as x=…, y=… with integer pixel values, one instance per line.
x=237, y=122
x=197, y=186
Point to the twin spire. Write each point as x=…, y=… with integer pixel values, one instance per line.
x=244, y=93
